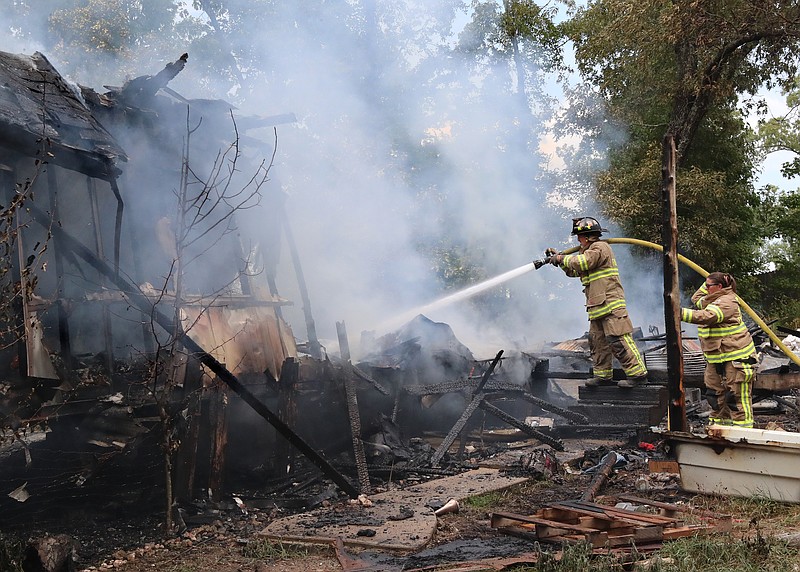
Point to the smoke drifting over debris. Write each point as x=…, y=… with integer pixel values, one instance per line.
x=404, y=149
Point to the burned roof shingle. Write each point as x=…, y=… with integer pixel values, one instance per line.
x=40, y=112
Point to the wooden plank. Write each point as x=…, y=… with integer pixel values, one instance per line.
x=682, y=532
x=656, y=466
x=641, y=516
x=612, y=512
x=603, y=513
x=724, y=522
x=578, y=509
x=502, y=519
x=560, y=515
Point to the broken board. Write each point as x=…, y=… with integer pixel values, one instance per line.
x=399, y=520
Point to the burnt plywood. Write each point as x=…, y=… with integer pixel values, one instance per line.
x=42, y=116
x=246, y=340
x=401, y=520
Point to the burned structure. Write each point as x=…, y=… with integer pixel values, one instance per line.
x=106, y=321
x=144, y=343
x=144, y=331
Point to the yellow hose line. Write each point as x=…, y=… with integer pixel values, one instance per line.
x=700, y=270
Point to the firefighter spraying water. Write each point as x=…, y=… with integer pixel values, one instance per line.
x=610, y=329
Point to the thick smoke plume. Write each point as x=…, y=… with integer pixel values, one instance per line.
x=405, y=151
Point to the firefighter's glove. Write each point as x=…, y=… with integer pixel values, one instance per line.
x=556, y=259
x=550, y=252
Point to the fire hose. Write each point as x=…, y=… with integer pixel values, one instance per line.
x=700, y=270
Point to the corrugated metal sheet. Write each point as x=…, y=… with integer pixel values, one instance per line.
x=694, y=364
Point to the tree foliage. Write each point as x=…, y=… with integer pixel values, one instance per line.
x=680, y=68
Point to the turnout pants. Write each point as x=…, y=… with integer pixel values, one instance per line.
x=729, y=391
x=610, y=337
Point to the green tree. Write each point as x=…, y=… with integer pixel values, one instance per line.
x=681, y=68
x=782, y=213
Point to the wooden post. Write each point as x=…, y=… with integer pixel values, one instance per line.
x=314, y=347
x=63, y=320
x=218, y=407
x=353, y=412
x=676, y=410
x=284, y=458
x=98, y=247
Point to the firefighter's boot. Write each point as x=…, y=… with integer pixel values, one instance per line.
x=595, y=381
x=632, y=382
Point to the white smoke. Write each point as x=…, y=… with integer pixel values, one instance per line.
x=386, y=160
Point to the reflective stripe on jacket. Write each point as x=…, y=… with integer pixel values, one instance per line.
x=722, y=332
x=596, y=266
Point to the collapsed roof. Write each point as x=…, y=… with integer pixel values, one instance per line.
x=42, y=115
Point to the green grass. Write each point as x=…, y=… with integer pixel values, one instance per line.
x=718, y=553
x=759, y=511
x=573, y=558
x=265, y=549
x=714, y=553
x=485, y=501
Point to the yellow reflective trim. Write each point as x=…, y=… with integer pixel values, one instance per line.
x=732, y=356
x=719, y=332
x=639, y=369
x=605, y=309
x=717, y=311
x=585, y=280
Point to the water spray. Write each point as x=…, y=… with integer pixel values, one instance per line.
x=456, y=297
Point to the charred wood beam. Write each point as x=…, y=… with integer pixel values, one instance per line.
x=144, y=304
x=98, y=246
x=477, y=398
x=514, y=422
x=145, y=87
x=353, y=413
x=117, y=223
x=676, y=408
x=456, y=429
x=362, y=375
x=601, y=476
x=561, y=375
x=315, y=348
x=547, y=406
x=488, y=372
x=784, y=330
x=63, y=319
x=219, y=430
x=287, y=408
x=459, y=385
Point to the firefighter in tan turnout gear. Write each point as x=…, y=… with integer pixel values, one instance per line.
x=728, y=348
x=610, y=328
